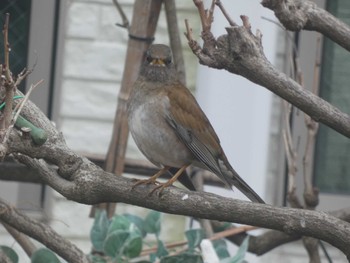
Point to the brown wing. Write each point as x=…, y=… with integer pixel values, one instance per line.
x=193, y=127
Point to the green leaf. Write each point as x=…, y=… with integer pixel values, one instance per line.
x=115, y=242
x=97, y=259
x=118, y=223
x=194, y=237
x=152, y=222
x=185, y=257
x=98, y=232
x=138, y=221
x=239, y=257
x=221, y=248
x=44, y=255
x=133, y=247
x=153, y=257
x=10, y=253
x=143, y=261
x=161, y=249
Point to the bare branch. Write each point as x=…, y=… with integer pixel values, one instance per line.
x=91, y=185
x=79, y=180
x=9, y=84
x=125, y=20
x=296, y=15
x=224, y=12
x=41, y=232
x=240, y=52
x=21, y=239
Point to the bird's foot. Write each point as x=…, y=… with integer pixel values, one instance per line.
x=144, y=181
x=159, y=188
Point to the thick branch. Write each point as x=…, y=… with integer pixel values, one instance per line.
x=91, y=185
x=296, y=15
x=41, y=232
x=21, y=239
x=269, y=240
x=240, y=52
x=78, y=179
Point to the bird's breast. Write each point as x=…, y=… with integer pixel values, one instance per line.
x=153, y=135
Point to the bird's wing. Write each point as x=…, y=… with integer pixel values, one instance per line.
x=194, y=129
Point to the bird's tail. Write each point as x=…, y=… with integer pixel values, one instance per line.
x=231, y=177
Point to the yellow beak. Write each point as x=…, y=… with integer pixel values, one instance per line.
x=157, y=62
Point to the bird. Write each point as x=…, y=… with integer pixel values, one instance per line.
x=170, y=128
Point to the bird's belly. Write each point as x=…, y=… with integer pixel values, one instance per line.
x=156, y=139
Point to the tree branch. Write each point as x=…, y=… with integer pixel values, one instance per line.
x=240, y=52
x=91, y=185
x=78, y=179
x=21, y=239
x=296, y=15
x=271, y=239
x=41, y=232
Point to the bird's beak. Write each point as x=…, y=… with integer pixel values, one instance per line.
x=157, y=62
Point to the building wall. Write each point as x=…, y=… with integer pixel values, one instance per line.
x=93, y=63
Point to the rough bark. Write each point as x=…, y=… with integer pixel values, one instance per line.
x=296, y=15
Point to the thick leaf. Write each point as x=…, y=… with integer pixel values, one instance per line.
x=97, y=259
x=138, y=221
x=115, y=242
x=10, y=253
x=133, y=247
x=221, y=248
x=194, y=237
x=152, y=222
x=44, y=255
x=239, y=257
x=161, y=249
x=153, y=257
x=185, y=257
x=99, y=229
x=118, y=223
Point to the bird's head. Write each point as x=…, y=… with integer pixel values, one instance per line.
x=158, y=64
x=158, y=55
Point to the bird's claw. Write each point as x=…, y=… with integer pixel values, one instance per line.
x=147, y=181
x=161, y=187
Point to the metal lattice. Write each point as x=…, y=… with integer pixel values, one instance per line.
x=19, y=11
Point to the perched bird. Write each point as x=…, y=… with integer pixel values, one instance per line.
x=170, y=128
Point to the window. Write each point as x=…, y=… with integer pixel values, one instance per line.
x=332, y=166
x=330, y=160
x=33, y=35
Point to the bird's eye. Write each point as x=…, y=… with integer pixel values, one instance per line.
x=167, y=60
x=149, y=58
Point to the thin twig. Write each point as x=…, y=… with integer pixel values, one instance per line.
x=25, y=99
x=22, y=103
x=216, y=236
x=9, y=85
x=225, y=13
x=7, y=48
x=310, y=193
x=125, y=20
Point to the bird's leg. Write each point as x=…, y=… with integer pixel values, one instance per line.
x=172, y=180
x=153, y=179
